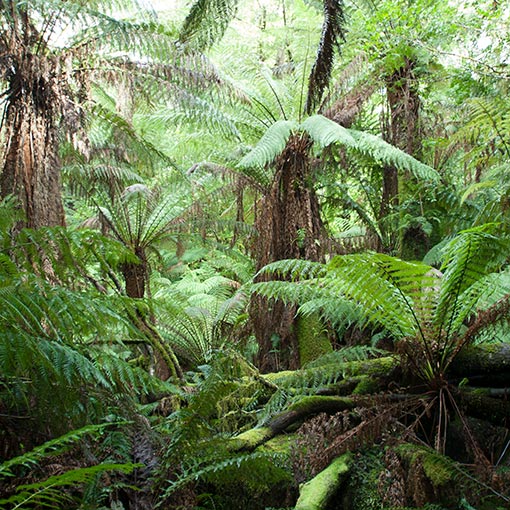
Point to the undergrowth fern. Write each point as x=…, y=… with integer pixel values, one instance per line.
x=408, y=300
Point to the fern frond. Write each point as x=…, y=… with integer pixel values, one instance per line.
x=325, y=132
x=50, y=494
x=269, y=147
x=380, y=284
x=126, y=130
x=470, y=256
x=207, y=21
x=295, y=269
x=53, y=447
x=345, y=354
x=192, y=110
x=217, y=469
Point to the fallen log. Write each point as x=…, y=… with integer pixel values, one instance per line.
x=307, y=406
x=316, y=493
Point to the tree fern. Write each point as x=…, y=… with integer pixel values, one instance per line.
x=200, y=317
x=270, y=145
x=325, y=133
x=407, y=300
x=207, y=22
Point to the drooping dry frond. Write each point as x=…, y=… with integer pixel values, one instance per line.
x=332, y=35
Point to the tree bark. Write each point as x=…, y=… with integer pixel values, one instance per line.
x=402, y=130
x=304, y=408
x=289, y=226
x=31, y=165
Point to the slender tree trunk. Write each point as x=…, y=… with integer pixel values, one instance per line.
x=135, y=280
x=289, y=226
x=401, y=129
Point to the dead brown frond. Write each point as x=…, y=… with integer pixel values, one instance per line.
x=332, y=35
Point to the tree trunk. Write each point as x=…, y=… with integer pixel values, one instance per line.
x=31, y=166
x=402, y=130
x=289, y=226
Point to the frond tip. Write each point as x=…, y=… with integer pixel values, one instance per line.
x=207, y=21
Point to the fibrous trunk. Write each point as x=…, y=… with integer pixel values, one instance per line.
x=289, y=227
x=31, y=166
x=402, y=128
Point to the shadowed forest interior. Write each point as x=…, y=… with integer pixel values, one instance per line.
x=254, y=255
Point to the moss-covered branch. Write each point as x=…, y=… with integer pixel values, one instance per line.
x=305, y=407
x=315, y=494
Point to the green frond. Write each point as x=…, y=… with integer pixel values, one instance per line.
x=7, y=267
x=49, y=493
x=367, y=289
x=142, y=217
x=50, y=448
x=380, y=285
x=124, y=376
x=294, y=269
x=207, y=21
x=123, y=128
x=268, y=148
x=313, y=297
x=339, y=312
x=325, y=132
x=346, y=354
x=200, y=313
x=233, y=469
x=469, y=257
x=289, y=292
x=82, y=177
x=192, y=110
x=435, y=255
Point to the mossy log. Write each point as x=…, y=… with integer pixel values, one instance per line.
x=492, y=361
x=307, y=406
x=378, y=368
x=478, y=405
x=315, y=494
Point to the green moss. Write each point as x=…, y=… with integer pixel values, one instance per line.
x=310, y=403
x=365, y=386
x=437, y=468
x=313, y=342
x=276, y=376
x=378, y=366
x=280, y=444
x=250, y=439
x=437, y=471
x=314, y=494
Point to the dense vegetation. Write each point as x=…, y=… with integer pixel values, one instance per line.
x=254, y=255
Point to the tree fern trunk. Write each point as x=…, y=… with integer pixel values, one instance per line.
x=402, y=130
x=289, y=226
x=31, y=166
